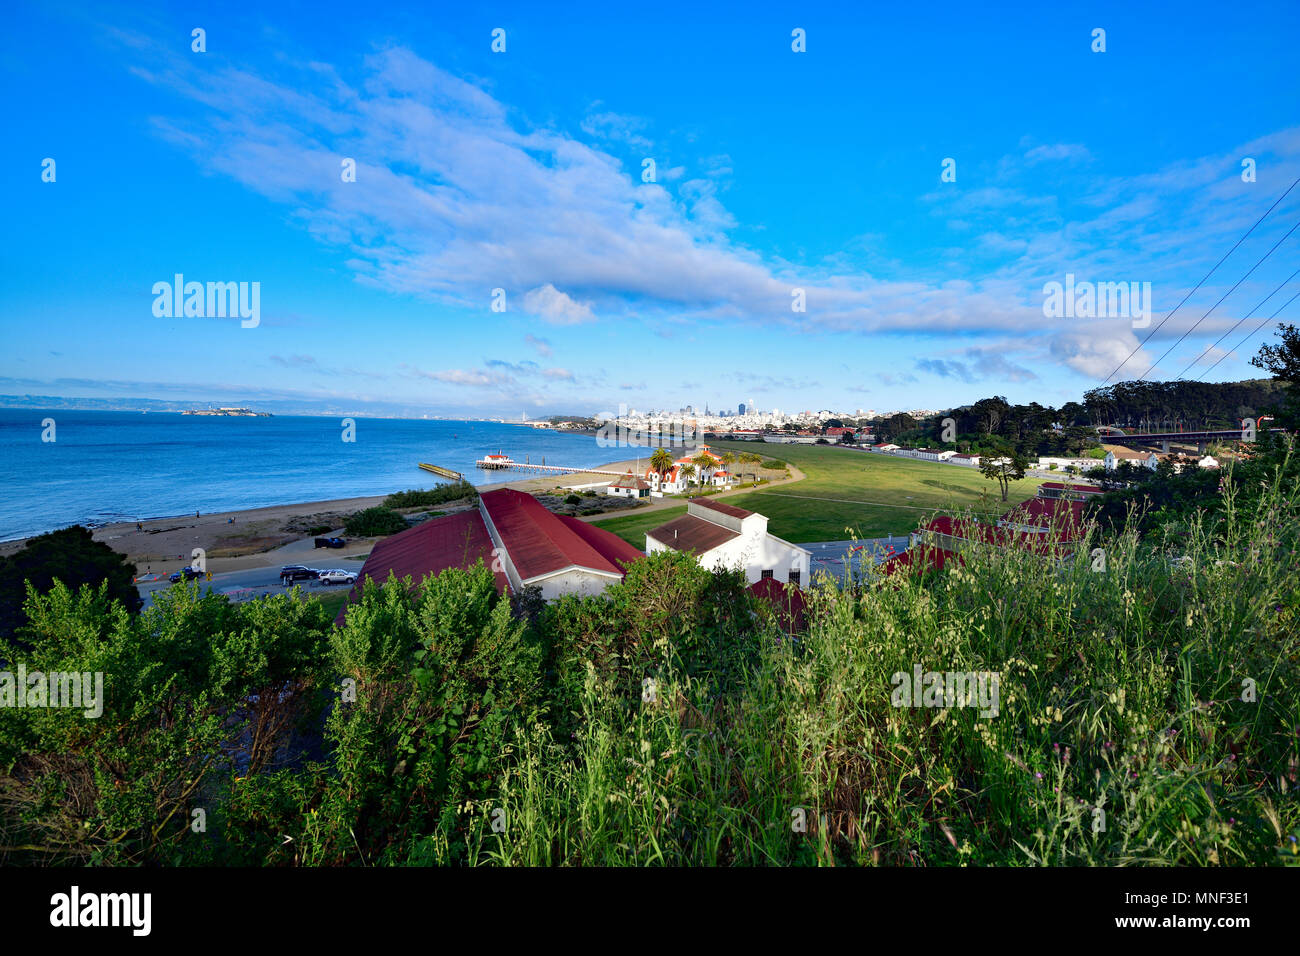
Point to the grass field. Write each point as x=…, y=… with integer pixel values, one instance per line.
x=874, y=495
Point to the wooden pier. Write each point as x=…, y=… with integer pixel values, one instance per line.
x=442, y=472
x=504, y=462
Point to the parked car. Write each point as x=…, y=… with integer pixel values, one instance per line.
x=337, y=576
x=296, y=572
x=189, y=574
x=331, y=542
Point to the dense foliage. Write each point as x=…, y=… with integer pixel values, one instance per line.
x=1148, y=713
x=1070, y=431
x=375, y=521
x=70, y=555
x=454, y=491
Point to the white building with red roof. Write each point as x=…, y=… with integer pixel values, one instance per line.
x=674, y=481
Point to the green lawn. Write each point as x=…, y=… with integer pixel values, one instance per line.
x=333, y=600
x=874, y=495
x=632, y=528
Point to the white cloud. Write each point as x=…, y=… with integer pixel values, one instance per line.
x=556, y=307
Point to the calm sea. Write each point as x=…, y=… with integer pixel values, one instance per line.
x=127, y=466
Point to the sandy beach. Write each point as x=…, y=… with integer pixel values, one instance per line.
x=236, y=540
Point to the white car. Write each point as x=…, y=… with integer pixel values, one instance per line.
x=337, y=576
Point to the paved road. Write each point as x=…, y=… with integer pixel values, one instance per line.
x=843, y=559
x=251, y=583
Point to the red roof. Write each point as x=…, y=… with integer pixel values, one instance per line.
x=539, y=543
x=920, y=558
x=609, y=546
x=690, y=533
x=1063, y=515
x=998, y=537
x=452, y=541
x=721, y=508
x=788, y=601
x=1062, y=486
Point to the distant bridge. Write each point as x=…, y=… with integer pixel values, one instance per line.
x=1111, y=435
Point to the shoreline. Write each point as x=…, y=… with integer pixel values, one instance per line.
x=254, y=532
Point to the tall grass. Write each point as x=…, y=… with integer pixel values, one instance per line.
x=1148, y=715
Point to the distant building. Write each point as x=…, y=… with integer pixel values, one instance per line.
x=630, y=486
x=1115, y=456
x=722, y=536
x=740, y=409
x=1059, y=489
x=674, y=481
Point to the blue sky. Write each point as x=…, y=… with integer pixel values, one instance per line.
x=522, y=170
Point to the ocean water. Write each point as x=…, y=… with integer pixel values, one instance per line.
x=128, y=466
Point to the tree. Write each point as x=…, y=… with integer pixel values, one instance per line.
x=688, y=472
x=374, y=522
x=1005, y=466
x=704, y=462
x=1283, y=363
x=70, y=555
x=661, y=462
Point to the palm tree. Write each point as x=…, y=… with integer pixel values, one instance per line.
x=688, y=472
x=704, y=462
x=661, y=462
x=749, y=458
x=728, y=460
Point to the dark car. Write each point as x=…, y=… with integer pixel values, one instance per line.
x=189, y=574
x=331, y=542
x=296, y=572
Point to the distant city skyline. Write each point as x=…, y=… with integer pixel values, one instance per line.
x=622, y=209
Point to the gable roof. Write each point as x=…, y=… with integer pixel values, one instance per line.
x=721, y=507
x=452, y=541
x=609, y=546
x=690, y=533
x=538, y=542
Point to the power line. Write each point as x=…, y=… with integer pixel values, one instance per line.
x=1238, y=323
x=1202, y=282
x=1152, y=367
x=1250, y=336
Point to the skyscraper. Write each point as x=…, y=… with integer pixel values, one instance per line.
x=740, y=409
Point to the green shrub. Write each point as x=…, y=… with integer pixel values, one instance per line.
x=442, y=494
x=375, y=521
x=70, y=555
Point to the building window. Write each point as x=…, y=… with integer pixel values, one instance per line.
x=767, y=574
x=794, y=578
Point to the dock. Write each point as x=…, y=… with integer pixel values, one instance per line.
x=505, y=462
x=442, y=472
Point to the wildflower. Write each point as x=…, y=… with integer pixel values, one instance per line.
x=1038, y=775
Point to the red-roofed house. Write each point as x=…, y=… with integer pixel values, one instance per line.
x=787, y=601
x=514, y=535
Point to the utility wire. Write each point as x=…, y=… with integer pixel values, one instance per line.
x=1152, y=367
x=1238, y=323
x=1250, y=335
x=1202, y=282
